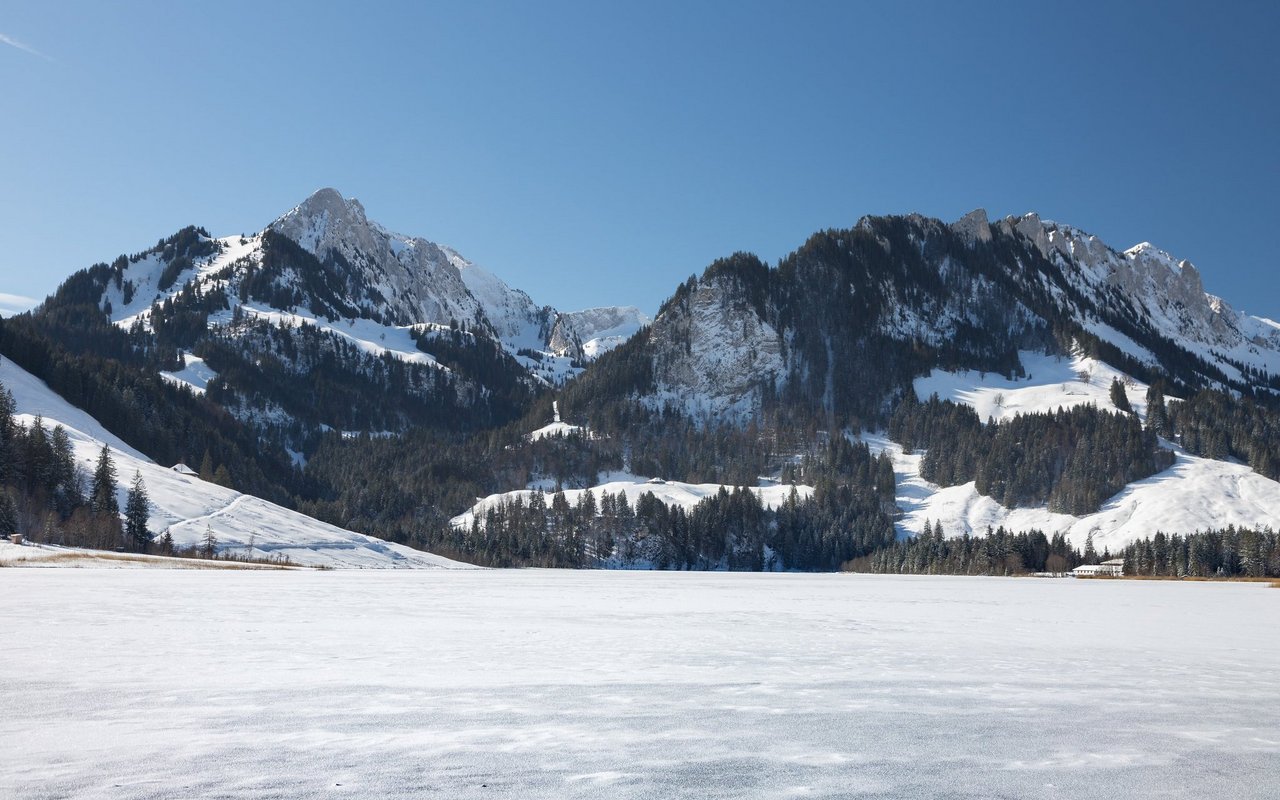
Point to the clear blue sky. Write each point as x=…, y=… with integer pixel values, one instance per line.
x=597, y=155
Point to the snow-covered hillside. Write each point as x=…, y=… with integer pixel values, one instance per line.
x=185, y=506
x=670, y=493
x=1193, y=494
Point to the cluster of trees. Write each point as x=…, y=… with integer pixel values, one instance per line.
x=1070, y=460
x=998, y=552
x=48, y=497
x=1230, y=552
x=183, y=319
x=850, y=513
x=731, y=529
x=289, y=276
x=294, y=381
x=1227, y=553
x=179, y=251
x=1214, y=424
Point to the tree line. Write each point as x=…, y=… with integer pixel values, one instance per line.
x=47, y=496
x=1070, y=460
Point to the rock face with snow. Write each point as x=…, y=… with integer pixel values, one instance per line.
x=586, y=334
x=409, y=280
x=715, y=358
x=403, y=279
x=1158, y=292
x=848, y=319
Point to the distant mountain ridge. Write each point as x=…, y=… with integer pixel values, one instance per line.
x=848, y=320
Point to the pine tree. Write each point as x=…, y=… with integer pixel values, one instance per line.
x=7, y=410
x=137, y=509
x=1119, y=398
x=8, y=515
x=222, y=476
x=102, y=498
x=209, y=543
x=1157, y=416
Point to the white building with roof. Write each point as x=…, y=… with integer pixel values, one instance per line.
x=1111, y=568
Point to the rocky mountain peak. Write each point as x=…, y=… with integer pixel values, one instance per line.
x=973, y=226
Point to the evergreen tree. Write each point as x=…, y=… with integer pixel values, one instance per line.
x=208, y=543
x=1157, y=415
x=137, y=509
x=8, y=515
x=103, y=496
x=1120, y=398
x=206, y=467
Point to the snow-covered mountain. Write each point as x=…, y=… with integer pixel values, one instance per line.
x=411, y=280
x=368, y=272
x=849, y=318
x=413, y=332
x=1162, y=294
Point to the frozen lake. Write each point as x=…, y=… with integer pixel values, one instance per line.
x=543, y=684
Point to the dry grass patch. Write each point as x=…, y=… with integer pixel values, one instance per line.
x=91, y=559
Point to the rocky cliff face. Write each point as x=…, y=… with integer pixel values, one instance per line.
x=403, y=279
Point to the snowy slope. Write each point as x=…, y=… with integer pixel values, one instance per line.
x=1193, y=494
x=186, y=506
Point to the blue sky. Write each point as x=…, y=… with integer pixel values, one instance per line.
x=594, y=154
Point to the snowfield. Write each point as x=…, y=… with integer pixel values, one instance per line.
x=546, y=684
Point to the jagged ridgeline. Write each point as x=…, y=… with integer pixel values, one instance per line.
x=834, y=334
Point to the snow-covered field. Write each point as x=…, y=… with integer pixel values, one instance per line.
x=544, y=684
